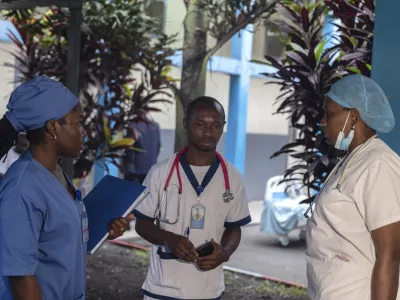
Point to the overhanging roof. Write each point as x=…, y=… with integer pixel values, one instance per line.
x=14, y=4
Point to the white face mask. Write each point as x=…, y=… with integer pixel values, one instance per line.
x=342, y=142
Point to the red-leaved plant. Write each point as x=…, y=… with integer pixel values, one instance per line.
x=308, y=70
x=118, y=40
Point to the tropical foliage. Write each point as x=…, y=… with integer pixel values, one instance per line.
x=123, y=68
x=306, y=72
x=355, y=32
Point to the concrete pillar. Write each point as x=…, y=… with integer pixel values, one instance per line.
x=72, y=80
x=242, y=46
x=99, y=169
x=329, y=31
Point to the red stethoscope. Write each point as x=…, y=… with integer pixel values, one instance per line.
x=227, y=196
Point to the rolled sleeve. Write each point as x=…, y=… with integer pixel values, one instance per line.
x=239, y=214
x=146, y=209
x=20, y=225
x=380, y=203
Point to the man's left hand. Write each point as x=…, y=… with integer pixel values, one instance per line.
x=210, y=262
x=118, y=226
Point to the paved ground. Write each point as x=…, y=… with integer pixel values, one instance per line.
x=259, y=253
x=262, y=254
x=118, y=273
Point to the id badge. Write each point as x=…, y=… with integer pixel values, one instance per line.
x=197, y=216
x=84, y=218
x=85, y=227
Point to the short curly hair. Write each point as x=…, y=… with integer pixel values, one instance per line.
x=207, y=102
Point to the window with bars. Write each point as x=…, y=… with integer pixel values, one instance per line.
x=273, y=45
x=156, y=9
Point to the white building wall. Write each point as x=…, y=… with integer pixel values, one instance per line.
x=7, y=84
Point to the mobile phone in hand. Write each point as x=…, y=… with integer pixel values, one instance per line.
x=205, y=250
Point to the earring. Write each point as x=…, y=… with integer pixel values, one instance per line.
x=53, y=137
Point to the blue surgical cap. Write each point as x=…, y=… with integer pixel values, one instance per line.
x=365, y=95
x=37, y=101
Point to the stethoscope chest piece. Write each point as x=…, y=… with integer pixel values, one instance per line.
x=228, y=196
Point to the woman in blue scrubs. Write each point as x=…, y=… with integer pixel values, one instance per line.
x=43, y=232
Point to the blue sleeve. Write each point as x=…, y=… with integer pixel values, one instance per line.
x=20, y=225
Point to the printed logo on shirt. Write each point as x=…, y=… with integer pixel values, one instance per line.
x=341, y=257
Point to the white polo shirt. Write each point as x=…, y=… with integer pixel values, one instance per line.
x=340, y=251
x=168, y=277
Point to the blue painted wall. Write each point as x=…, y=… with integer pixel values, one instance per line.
x=386, y=61
x=5, y=28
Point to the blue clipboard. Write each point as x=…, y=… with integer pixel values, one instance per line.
x=110, y=199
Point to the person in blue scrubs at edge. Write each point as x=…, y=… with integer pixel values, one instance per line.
x=43, y=230
x=204, y=179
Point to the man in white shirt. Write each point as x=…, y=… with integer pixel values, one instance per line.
x=213, y=207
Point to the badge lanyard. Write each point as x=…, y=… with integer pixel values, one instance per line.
x=84, y=218
x=198, y=210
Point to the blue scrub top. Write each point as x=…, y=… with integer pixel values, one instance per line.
x=40, y=232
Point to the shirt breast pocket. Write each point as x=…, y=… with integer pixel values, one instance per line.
x=334, y=201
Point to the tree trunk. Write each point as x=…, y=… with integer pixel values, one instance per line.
x=180, y=134
x=72, y=80
x=192, y=79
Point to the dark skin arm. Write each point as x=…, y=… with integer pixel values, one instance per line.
x=118, y=227
x=25, y=288
x=179, y=245
x=229, y=243
x=385, y=275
